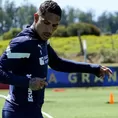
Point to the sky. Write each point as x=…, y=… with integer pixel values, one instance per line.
x=98, y=6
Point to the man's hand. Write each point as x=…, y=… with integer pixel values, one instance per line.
x=37, y=83
x=105, y=71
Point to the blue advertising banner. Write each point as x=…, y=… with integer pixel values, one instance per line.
x=61, y=79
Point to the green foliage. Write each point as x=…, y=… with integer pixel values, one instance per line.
x=7, y=35
x=65, y=46
x=3, y=45
x=83, y=28
x=72, y=29
x=11, y=34
x=109, y=56
x=60, y=32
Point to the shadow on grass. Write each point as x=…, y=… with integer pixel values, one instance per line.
x=111, y=103
x=49, y=101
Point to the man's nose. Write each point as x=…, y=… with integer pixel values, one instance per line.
x=49, y=28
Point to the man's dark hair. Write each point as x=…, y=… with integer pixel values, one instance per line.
x=50, y=6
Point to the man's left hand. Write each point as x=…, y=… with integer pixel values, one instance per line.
x=105, y=71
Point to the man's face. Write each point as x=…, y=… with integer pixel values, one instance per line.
x=46, y=24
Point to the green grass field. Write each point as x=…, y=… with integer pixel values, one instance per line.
x=79, y=103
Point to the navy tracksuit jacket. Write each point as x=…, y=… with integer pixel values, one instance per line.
x=28, y=55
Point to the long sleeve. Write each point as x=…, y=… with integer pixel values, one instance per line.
x=64, y=65
x=10, y=61
x=12, y=79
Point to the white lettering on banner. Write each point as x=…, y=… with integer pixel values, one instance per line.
x=81, y=79
x=52, y=79
x=113, y=77
x=15, y=55
x=97, y=79
x=72, y=78
x=85, y=78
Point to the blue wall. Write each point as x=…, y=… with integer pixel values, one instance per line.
x=60, y=79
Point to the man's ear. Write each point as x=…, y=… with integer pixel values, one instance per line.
x=36, y=17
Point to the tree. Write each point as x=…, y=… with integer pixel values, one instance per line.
x=10, y=10
x=113, y=21
x=64, y=18
x=86, y=17
x=108, y=22
x=25, y=15
x=1, y=20
x=71, y=15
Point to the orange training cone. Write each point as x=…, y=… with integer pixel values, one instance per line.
x=111, y=98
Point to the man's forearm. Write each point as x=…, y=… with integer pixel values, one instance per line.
x=12, y=79
x=64, y=65
x=72, y=66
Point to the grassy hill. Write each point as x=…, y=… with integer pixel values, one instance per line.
x=70, y=47
x=94, y=43
x=3, y=45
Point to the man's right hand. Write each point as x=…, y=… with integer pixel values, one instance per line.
x=37, y=83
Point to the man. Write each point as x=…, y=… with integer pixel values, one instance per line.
x=24, y=64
